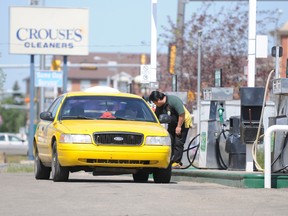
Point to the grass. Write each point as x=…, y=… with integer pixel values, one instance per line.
x=19, y=168
x=16, y=158
x=260, y=156
x=15, y=164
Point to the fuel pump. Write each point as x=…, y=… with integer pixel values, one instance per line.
x=251, y=108
x=212, y=127
x=280, y=150
x=234, y=146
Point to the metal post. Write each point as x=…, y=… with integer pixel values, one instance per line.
x=267, y=151
x=251, y=69
x=32, y=111
x=174, y=83
x=42, y=67
x=65, y=74
x=277, y=63
x=179, y=44
x=199, y=82
x=251, y=43
x=42, y=89
x=279, y=11
x=153, y=54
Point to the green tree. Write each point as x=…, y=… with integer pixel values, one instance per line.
x=13, y=117
x=2, y=79
x=224, y=45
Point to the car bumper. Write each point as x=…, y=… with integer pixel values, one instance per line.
x=114, y=156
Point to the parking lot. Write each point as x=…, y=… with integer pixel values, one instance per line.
x=85, y=194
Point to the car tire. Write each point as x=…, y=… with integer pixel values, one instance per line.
x=162, y=175
x=141, y=176
x=59, y=173
x=40, y=171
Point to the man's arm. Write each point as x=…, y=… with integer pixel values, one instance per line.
x=181, y=120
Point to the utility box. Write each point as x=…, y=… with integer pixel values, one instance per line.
x=218, y=94
x=280, y=86
x=250, y=113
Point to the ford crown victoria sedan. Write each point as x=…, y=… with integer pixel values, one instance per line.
x=102, y=133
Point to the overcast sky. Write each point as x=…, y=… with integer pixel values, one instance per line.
x=115, y=26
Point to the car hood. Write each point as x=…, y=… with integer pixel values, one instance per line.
x=89, y=127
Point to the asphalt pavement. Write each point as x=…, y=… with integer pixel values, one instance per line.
x=85, y=194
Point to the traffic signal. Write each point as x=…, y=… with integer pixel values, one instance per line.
x=274, y=51
x=172, y=58
x=143, y=59
x=56, y=65
x=191, y=96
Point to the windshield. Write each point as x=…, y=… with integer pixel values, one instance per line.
x=106, y=107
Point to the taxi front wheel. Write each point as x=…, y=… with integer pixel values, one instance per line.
x=59, y=173
x=40, y=171
x=162, y=175
x=141, y=176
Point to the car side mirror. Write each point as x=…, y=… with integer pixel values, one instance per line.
x=46, y=116
x=164, y=119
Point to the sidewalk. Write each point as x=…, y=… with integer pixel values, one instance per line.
x=239, y=179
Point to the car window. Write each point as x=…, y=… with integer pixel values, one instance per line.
x=54, y=106
x=14, y=138
x=2, y=138
x=106, y=107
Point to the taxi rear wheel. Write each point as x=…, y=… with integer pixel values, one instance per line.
x=162, y=175
x=141, y=176
x=40, y=171
x=59, y=173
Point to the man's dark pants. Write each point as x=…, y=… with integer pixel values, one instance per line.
x=177, y=143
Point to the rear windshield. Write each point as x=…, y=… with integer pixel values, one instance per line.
x=106, y=107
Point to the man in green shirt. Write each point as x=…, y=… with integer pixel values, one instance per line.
x=180, y=122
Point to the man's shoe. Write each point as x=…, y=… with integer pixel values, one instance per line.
x=176, y=165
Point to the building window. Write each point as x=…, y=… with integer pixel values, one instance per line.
x=84, y=84
x=123, y=86
x=69, y=86
x=102, y=82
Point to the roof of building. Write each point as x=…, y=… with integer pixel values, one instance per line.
x=103, y=59
x=283, y=30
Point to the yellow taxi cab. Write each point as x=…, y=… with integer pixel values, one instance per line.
x=103, y=133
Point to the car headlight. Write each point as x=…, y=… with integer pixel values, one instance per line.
x=75, y=138
x=155, y=140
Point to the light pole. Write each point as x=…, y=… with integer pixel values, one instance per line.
x=199, y=81
x=179, y=44
x=279, y=12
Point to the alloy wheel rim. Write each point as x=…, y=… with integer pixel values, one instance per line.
x=35, y=164
x=53, y=165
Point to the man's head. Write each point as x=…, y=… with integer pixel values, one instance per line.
x=158, y=98
x=132, y=108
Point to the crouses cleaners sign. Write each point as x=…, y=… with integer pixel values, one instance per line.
x=52, y=31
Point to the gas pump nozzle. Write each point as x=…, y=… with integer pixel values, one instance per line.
x=220, y=112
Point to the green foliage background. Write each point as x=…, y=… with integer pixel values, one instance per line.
x=12, y=118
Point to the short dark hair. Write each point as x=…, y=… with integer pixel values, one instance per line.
x=156, y=95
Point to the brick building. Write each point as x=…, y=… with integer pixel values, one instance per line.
x=282, y=33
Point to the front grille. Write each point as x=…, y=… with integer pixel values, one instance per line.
x=104, y=161
x=114, y=138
